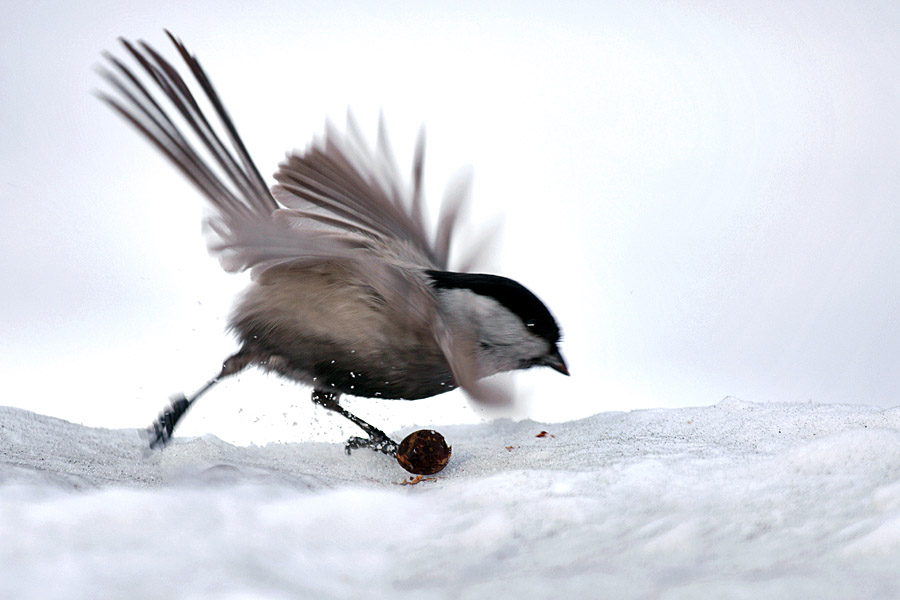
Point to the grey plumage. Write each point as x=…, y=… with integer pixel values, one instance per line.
x=350, y=294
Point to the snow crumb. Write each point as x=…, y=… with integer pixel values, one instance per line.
x=736, y=500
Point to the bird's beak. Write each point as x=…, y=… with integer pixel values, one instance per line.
x=555, y=361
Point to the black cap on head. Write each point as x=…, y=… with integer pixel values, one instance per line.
x=518, y=299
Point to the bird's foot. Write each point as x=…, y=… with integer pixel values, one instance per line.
x=160, y=431
x=378, y=443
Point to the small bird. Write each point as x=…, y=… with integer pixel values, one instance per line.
x=349, y=293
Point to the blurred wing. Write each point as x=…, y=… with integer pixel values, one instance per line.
x=341, y=182
x=246, y=234
x=497, y=395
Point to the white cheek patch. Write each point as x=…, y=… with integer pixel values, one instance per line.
x=504, y=339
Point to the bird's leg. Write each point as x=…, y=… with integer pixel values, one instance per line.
x=161, y=430
x=377, y=440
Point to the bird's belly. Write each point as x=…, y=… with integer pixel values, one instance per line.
x=371, y=374
x=390, y=379
x=401, y=366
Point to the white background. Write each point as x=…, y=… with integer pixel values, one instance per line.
x=703, y=193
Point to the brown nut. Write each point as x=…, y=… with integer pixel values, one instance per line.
x=423, y=452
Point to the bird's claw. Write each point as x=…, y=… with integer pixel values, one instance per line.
x=379, y=444
x=161, y=430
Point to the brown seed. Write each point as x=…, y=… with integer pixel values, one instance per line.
x=423, y=452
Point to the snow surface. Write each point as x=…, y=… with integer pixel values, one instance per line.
x=736, y=500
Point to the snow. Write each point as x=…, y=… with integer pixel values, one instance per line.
x=736, y=500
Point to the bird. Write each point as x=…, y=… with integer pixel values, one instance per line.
x=349, y=294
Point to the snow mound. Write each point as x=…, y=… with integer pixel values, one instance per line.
x=737, y=500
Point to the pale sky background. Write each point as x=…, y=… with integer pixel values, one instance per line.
x=705, y=194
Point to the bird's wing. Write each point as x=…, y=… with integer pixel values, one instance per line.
x=245, y=230
x=339, y=194
x=340, y=181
